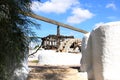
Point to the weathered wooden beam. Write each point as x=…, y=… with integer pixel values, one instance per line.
x=53, y=22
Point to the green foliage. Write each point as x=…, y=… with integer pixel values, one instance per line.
x=14, y=29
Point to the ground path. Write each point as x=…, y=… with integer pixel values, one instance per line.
x=39, y=72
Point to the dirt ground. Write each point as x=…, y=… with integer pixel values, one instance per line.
x=40, y=72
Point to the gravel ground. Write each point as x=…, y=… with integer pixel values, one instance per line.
x=40, y=72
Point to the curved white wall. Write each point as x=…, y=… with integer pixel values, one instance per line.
x=102, y=54
x=48, y=57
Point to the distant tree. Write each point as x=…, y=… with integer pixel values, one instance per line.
x=14, y=29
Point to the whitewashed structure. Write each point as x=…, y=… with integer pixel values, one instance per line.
x=22, y=73
x=86, y=63
x=101, y=57
x=50, y=57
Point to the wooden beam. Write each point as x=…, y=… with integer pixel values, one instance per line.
x=53, y=22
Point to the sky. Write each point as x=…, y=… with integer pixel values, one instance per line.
x=82, y=14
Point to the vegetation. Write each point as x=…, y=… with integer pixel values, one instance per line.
x=34, y=61
x=14, y=29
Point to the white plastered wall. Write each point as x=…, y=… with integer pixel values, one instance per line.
x=103, y=52
x=49, y=57
x=86, y=60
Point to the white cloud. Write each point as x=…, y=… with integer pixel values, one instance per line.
x=61, y=6
x=79, y=15
x=111, y=5
x=53, y=6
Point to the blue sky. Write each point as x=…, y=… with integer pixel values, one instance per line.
x=83, y=14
